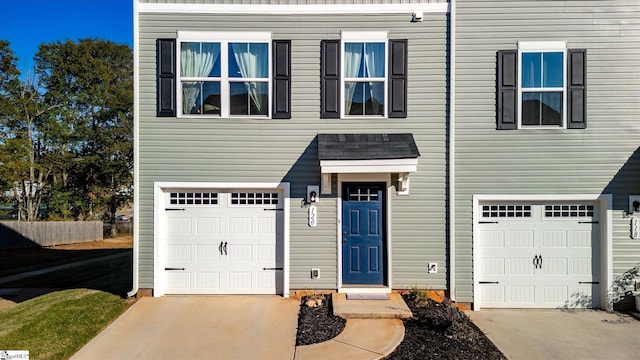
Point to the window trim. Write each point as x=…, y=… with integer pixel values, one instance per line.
x=224, y=38
x=364, y=37
x=542, y=47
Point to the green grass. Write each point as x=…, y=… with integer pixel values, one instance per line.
x=56, y=325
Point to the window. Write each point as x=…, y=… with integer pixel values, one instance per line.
x=541, y=85
x=224, y=74
x=251, y=198
x=364, y=68
x=363, y=75
x=193, y=198
x=506, y=211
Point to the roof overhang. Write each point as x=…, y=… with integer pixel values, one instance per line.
x=396, y=154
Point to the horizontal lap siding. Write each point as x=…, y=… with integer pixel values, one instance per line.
x=246, y=150
x=600, y=159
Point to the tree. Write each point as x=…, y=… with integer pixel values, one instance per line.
x=92, y=81
x=23, y=117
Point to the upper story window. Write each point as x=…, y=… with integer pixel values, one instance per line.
x=363, y=75
x=364, y=69
x=542, y=84
x=224, y=74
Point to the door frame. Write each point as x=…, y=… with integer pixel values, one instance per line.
x=159, y=225
x=384, y=178
x=605, y=207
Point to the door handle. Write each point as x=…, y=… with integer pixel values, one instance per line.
x=224, y=248
x=220, y=248
x=537, y=262
x=344, y=240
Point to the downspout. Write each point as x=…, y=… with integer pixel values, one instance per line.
x=452, y=149
x=136, y=128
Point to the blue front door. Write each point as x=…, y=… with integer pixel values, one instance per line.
x=362, y=233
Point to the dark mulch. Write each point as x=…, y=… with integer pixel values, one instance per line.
x=441, y=331
x=436, y=331
x=317, y=324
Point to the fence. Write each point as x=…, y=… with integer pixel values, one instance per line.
x=15, y=234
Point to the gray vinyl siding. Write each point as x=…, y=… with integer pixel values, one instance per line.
x=260, y=150
x=603, y=158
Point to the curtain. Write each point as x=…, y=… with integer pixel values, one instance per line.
x=196, y=60
x=352, y=60
x=374, y=64
x=252, y=60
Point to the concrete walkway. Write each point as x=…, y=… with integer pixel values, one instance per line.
x=232, y=327
x=561, y=334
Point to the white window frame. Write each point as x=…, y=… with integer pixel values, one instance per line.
x=223, y=38
x=364, y=37
x=542, y=47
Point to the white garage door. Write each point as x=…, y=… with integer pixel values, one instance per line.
x=539, y=255
x=223, y=242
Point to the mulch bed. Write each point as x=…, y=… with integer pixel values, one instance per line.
x=436, y=331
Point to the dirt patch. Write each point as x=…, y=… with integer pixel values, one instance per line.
x=120, y=242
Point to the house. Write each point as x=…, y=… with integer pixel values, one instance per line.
x=485, y=151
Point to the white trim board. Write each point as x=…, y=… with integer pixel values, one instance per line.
x=293, y=9
x=160, y=202
x=605, y=202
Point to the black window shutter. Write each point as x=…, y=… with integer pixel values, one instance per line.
x=166, y=77
x=577, y=89
x=330, y=79
x=507, y=88
x=282, y=79
x=398, y=78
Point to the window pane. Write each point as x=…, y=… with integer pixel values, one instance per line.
x=542, y=108
x=553, y=70
x=248, y=60
x=249, y=98
x=374, y=59
x=364, y=98
x=199, y=59
x=531, y=69
x=353, y=60
x=196, y=93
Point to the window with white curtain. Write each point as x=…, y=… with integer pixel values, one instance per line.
x=224, y=74
x=364, y=69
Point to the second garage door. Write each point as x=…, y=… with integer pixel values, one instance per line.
x=223, y=242
x=538, y=255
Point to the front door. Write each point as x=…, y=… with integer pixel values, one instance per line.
x=363, y=233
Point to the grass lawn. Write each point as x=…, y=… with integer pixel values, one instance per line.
x=59, y=323
x=56, y=325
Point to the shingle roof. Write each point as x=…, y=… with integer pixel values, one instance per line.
x=366, y=146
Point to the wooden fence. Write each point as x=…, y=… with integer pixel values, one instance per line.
x=18, y=234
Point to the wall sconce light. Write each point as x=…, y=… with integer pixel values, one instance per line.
x=417, y=16
x=313, y=191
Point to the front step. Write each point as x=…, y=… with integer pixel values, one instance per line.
x=394, y=308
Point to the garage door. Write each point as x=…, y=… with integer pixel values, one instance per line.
x=539, y=255
x=223, y=242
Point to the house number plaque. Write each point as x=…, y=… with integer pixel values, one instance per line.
x=313, y=219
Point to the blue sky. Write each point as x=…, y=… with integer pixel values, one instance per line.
x=29, y=23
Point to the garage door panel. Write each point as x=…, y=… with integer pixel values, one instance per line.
x=520, y=239
x=223, y=246
x=538, y=255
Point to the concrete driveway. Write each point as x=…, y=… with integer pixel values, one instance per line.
x=561, y=334
x=200, y=327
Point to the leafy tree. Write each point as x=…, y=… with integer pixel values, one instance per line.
x=23, y=117
x=92, y=80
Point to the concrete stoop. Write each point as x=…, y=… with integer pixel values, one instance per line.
x=394, y=308
x=361, y=339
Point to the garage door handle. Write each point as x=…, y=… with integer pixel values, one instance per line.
x=276, y=268
x=489, y=282
x=588, y=282
x=173, y=209
x=174, y=268
x=588, y=222
x=537, y=262
x=224, y=248
x=487, y=222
